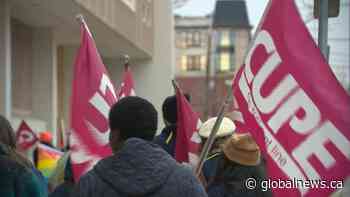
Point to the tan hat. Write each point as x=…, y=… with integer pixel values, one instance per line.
x=226, y=128
x=242, y=149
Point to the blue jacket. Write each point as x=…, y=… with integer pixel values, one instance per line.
x=210, y=166
x=167, y=139
x=140, y=168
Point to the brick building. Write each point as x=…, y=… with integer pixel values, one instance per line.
x=224, y=37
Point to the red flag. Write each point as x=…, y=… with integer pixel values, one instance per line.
x=187, y=138
x=25, y=137
x=237, y=118
x=127, y=86
x=294, y=106
x=92, y=96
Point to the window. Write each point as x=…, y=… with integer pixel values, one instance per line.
x=193, y=63
x=189, y=39
x=178, y=40
x=203, y=62
x=184, y=62
x=197, y=39
x=224, y=61
x=225, y=39
x=204, y=38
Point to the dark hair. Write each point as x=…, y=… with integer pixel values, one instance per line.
x=134, y=117
x=169, y=108
x=7, y=135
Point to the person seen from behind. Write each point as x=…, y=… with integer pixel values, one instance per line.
x=167, y=137
x=241, y=161
x=18, y=177
x=138, y=167
x=224, y=132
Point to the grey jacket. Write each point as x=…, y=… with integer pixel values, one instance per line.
x=140, y=168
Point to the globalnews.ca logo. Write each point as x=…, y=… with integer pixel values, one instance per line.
x=294, y=183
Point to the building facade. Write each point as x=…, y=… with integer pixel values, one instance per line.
x=209, y=50
x=39, y=41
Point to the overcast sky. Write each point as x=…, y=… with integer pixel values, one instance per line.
x=204, y=7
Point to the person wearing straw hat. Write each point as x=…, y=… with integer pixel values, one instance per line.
x=225, y=131
x=241, y=161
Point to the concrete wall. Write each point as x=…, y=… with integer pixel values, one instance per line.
x=34, y=91
x=5, y=59
x=137, y=28
x=152, y=77
x=44, y=77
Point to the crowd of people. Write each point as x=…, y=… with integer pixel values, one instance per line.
x=143, y=164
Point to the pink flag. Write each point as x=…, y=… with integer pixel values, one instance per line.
x=187, y=138
x=294, y=106
x=127, y=86
x=25, y=137
x=92, y=96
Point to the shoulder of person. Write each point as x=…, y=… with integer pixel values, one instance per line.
x=186, y=183
x=85, y=185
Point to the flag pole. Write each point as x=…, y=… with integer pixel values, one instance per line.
x=209, y=143
x=81, y=19
x=176, y=86
x=61, y=135
x=126, y=61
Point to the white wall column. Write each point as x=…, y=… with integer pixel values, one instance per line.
x=45, y=77
x=5, y=59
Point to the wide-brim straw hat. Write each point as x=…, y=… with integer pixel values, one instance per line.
x=226, y=128
x=242, y=149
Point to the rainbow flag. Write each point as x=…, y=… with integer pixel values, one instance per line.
x=47, y=159
x=57, y=176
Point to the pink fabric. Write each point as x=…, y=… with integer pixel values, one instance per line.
x=25, y=137
x=92, y=96
x=187, y=137
x=293, y=104
x=127, y=86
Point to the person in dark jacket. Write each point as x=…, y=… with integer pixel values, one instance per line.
x=17, y=177
x=241, y=161
x=137, y=167
x=167, y=137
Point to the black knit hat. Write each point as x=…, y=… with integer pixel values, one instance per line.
x=134, y=117
x=169, y=108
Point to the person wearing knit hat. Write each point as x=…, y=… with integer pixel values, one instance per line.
x=241, y=160
x=167, y=137
x=225, y=130
x=137, y=166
